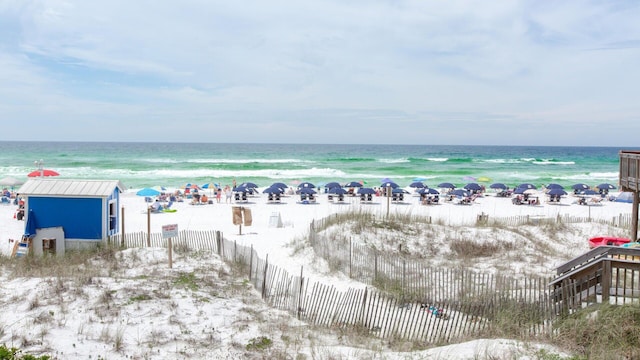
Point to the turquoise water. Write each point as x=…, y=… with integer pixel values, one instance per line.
x=139, y=165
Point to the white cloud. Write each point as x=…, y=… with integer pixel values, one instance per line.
x=273, y=64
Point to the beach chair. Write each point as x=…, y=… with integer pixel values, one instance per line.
x=236, y=196
x=6, y=201
x=148, y=199
x=400, y=197
x=340, y=198
x=270, y=197
x=369, y=197
x=244, y=196
x=303, y=197
x=330, y=197
x=277, y=198
x=394, y=197
x=363, y=197
x=312, y=198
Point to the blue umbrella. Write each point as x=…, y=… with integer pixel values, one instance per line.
x=148, y=192
x=417, y=184
x=249, y=185
x=588, y=192
x=332, y=185
x=579, y=186
x=500, y=186
x=337, y=191
x=556, y=192
x=242, y=189
x=554, y=186
x=30, y=226
x=527, y=186
x=428, y=191
x=446, y=185
x=399, y=191
x=385, y=180
x=353, y=184
x=273, y=190
x=460, y=192
x=205, y=186
x=366, y=191
x=307, y=191
x=306, y=184
x=390, y=184
x=606, y=186
x=473, y=186
x=279, y=185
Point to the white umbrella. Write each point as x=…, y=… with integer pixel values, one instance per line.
x=10, y=181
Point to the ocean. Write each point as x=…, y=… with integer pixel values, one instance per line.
x=173, y=165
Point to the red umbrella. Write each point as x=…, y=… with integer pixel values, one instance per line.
x=45, y=172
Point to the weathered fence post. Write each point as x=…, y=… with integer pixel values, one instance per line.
x=300, y=293
x=250, y=262
x=264, y=276
x=350, y=257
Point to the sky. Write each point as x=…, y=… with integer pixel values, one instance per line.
x=345, y=72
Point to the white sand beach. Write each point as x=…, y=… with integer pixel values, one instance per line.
x=73, y=336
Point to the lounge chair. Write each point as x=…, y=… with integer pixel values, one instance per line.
x=330, y=197
x=244, y=196
x=277, y=198
x=270, y=197
x=236, y=196
x=363, y=197
x=369, y=197
x=394, y=197
x=400, y=197
x=340, y=198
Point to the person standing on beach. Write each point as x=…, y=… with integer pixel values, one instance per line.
x=234, y=184
x=218, y=194
x=227, y=193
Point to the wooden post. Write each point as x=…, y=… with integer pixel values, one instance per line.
x=350, y=257
x=634, y=217
x=388, y=193
x=122, y=242
x=148, y=226
x=264, y=276
x=170, y=253
x=300, y=293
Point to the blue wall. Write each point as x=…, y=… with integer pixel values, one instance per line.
x=81, y=218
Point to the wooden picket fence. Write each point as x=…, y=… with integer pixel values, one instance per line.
x=459, y=305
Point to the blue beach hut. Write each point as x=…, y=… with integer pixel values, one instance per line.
x=70, y=213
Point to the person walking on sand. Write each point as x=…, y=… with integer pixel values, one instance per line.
x=218, y=194
x=227, y=193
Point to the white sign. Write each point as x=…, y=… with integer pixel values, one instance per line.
x=275, y=220
x=169, y=231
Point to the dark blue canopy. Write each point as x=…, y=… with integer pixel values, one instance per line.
x=279, y=185
x=366, y=191
x=417, y=184
x=332, y=185
x=554, y=186
x=390, y=184
x=306, y=184
x=606, y=186
x=473, y=186
x=337, y=191
x=460, y=192
x=273, y=190
x=353, y=184
x=446, y=185
x=527, y=186
x=428, y=191
x=579, y=186
x=556, y=192
x=307, y=191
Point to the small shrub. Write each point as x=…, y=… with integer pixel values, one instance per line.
x=259, y=344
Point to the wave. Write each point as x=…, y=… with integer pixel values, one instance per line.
x=394, y=161
x=553, y=162
x=437, y=159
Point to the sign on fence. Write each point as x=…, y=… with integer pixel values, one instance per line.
x=169, y=231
